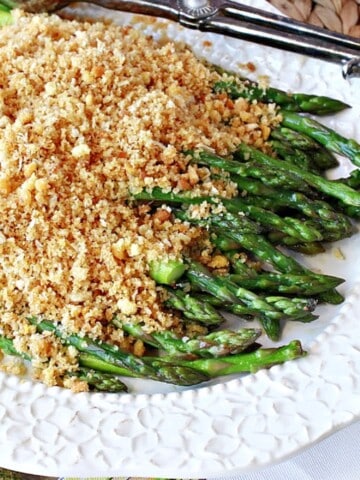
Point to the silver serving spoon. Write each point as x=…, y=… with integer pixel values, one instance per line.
x=233, y=19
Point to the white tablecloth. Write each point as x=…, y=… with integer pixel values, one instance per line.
x=335, y=458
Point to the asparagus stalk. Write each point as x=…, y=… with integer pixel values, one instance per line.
x=192, y=308
x=290, y=226
x=313, y=248
x=7, y=5
x=333, y=225
x=229, y=292
x=7, y=346
x=239, y=264
x=236, y=206
x=255, y=170
x=216, y=344
x=327, y=137
x=130, y=365
x=166, y=272
x=300, y=310
x=322, y=158
x=285, y=152
x=170, y=368
x=266, y=252
x=296, y=102
x=259, y=247
x=334, y=189
x=296, y=308
x=318, y=210
x=353, y=212
x=252, y=362
x=245, y=362
x=285, y=283
x=262, y=249
x=98, y=381
x=241, y=222
x=225, y=244
x=236, y=308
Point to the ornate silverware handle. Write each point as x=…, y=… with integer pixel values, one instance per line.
x=234, y=19
x=248, y=23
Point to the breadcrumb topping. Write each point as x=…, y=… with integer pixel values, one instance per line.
x=89, y=114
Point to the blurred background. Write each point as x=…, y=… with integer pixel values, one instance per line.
x=341, y=16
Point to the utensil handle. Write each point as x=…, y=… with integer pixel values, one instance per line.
x=266, y=28
x=165, y=9
x=282, y=24
x=349, y=59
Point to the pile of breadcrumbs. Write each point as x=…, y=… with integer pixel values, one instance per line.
x=90, y=113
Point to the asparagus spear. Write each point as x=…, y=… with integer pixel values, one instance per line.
x=333, y=224
x=290, y=226
x=166, y=271
x=285, y=283
x=255, y=170
x=172, y=369
x=225, y=244
x=352, y=212
x=98, y=381
x=216, y=344
x=259, y=247
x=130, y=365
x=322, y=158
x=245, y=362
x=297, y=102
x=278, y=199
x=285, y=152
x=313, y=248
x=7, y=346
x=353, y=181
x=192, y=308
x=241, y=222
x=331, y=188
x=266, y=252
x=262, y=249
x=252, y=362
x=296, y=308
x=239, y=264
x=300, y=310
x=229, y=292
x=327, y=137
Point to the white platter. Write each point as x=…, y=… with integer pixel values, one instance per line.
x=230, y=426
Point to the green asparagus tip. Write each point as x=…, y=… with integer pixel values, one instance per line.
x=276, y=356
x=101, y=382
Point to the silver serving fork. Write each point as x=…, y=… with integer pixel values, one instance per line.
x=233, y=19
